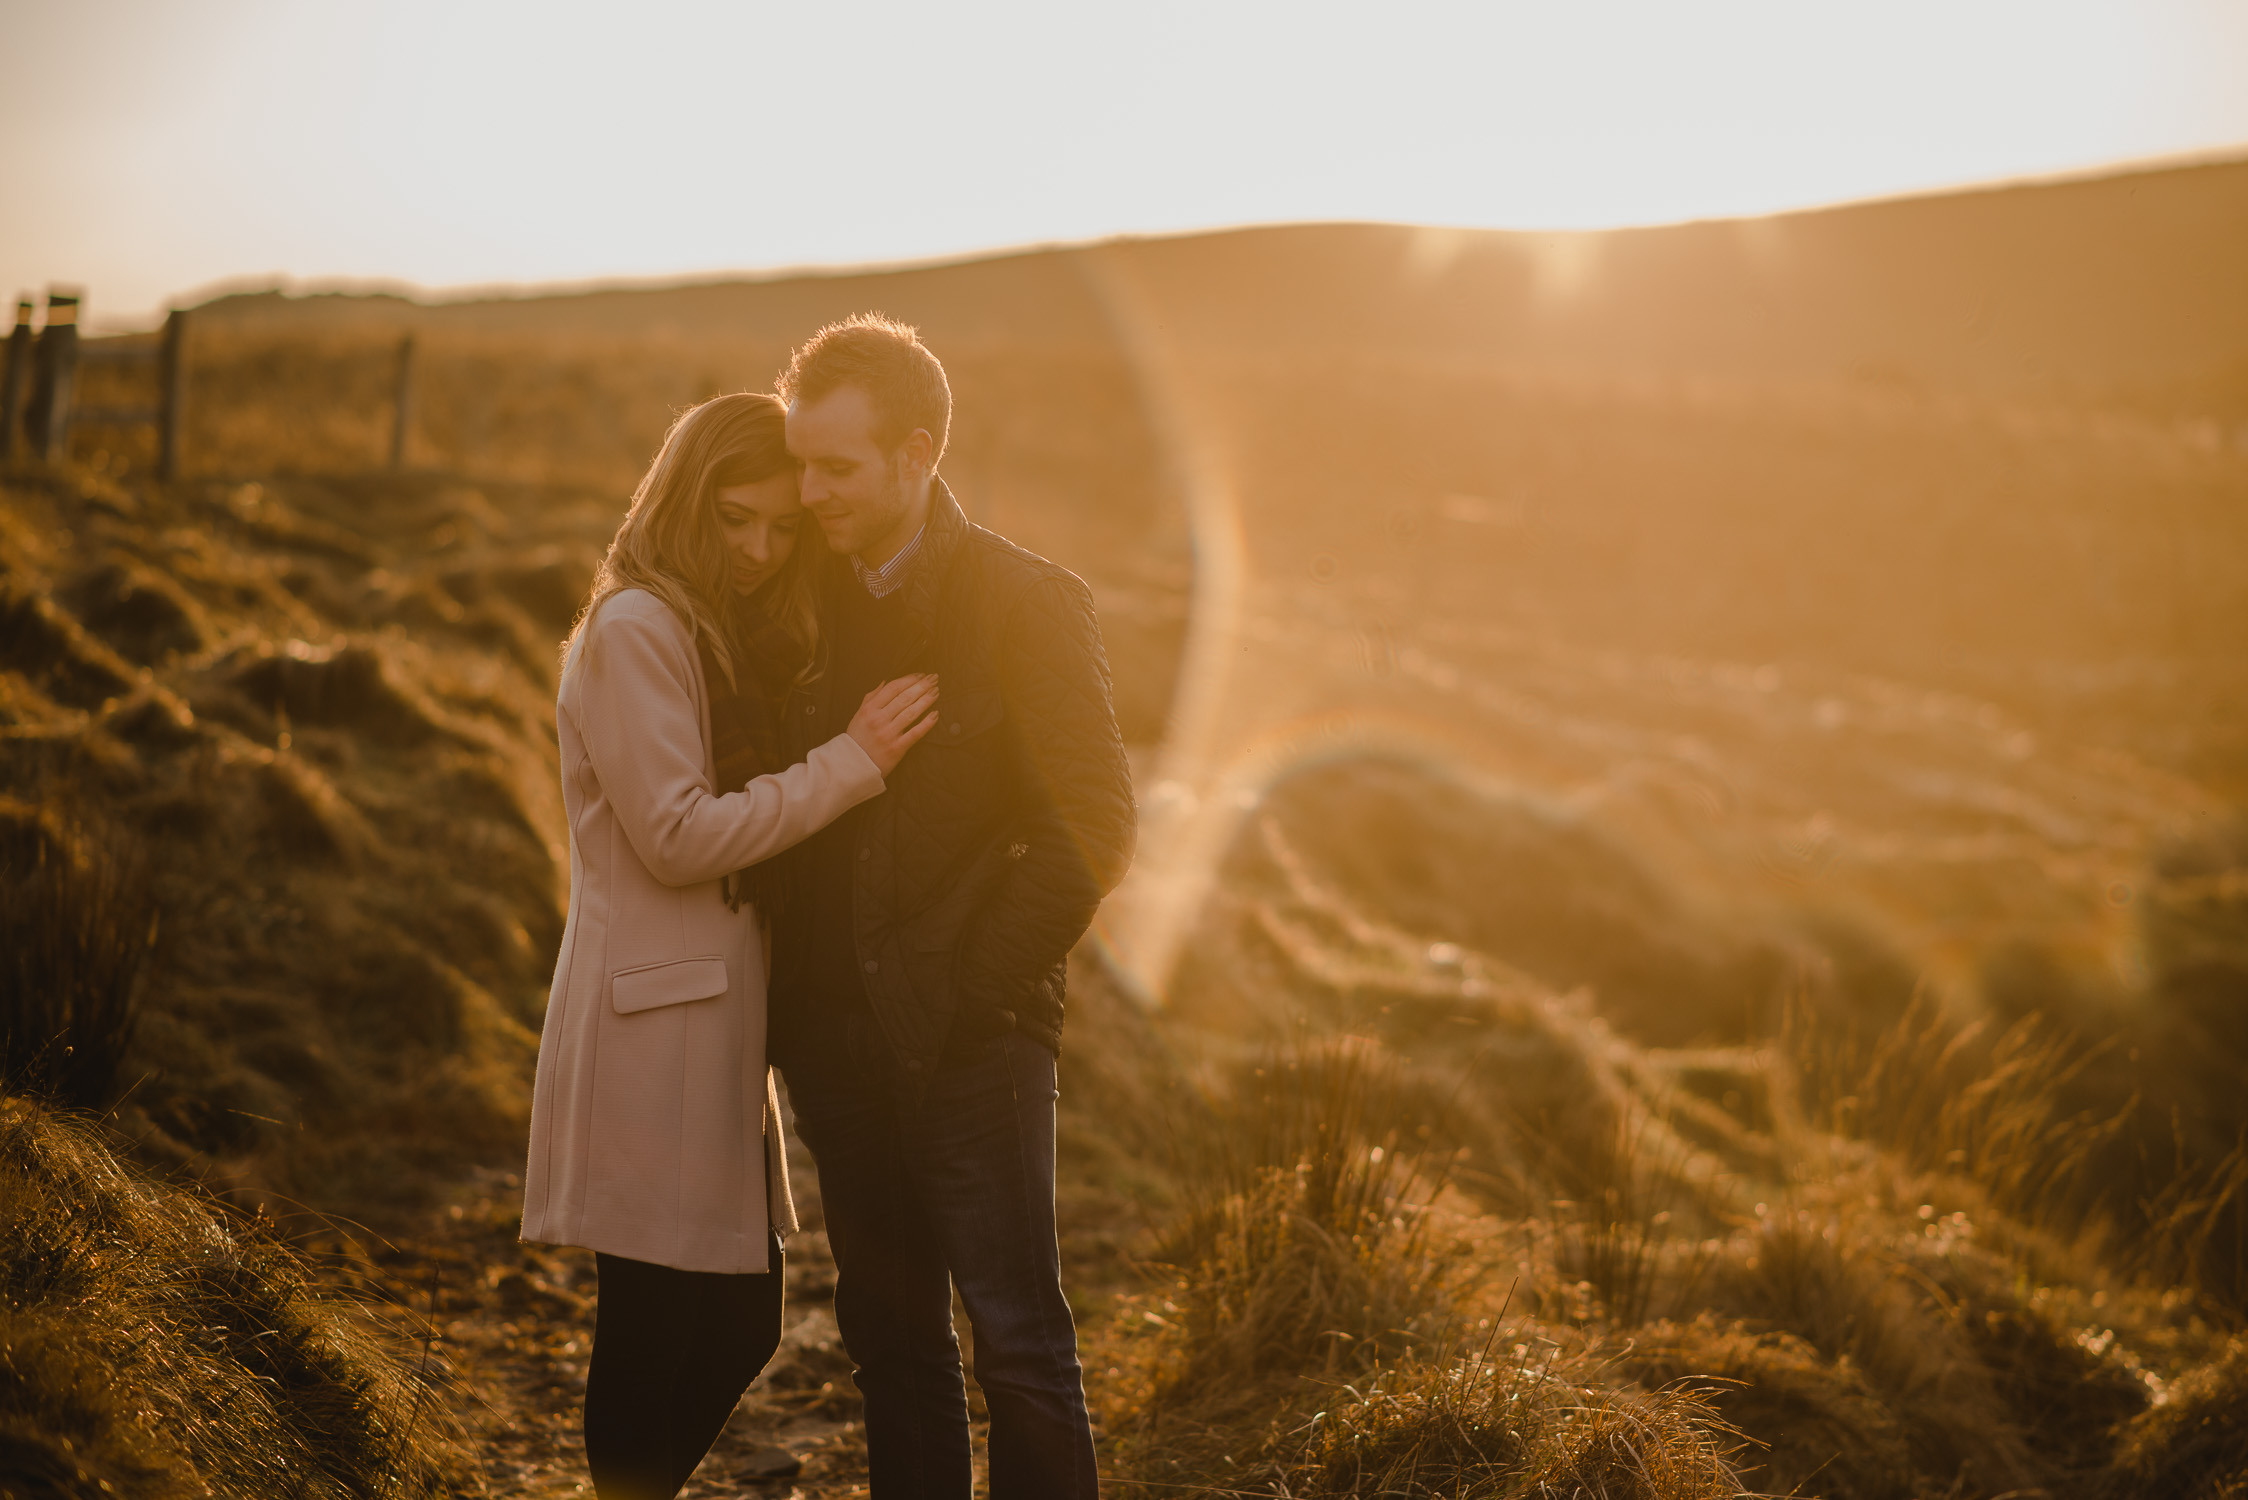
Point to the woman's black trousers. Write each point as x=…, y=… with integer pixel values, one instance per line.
x=672, y=1352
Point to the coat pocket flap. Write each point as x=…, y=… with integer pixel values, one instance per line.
x=670, y=983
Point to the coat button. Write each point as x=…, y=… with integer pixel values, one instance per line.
x=913, y=1065
x=809, y=710
x=866, y=854
x=953, y=727
x=873, y=966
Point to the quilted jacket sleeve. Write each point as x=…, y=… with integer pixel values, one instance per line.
x=635, y=708
x=1078, y=822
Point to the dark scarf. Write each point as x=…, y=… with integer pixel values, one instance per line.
x=745, y=732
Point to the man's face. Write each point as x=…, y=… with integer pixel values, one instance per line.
x=852, y=487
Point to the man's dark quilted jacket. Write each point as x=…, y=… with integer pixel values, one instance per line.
x=984, y=861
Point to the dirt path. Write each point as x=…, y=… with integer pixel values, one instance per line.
x=504, y=1331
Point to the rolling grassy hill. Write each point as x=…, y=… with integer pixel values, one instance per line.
x=1690, y=782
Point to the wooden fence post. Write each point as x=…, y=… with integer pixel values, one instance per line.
x=54, y=379
x=18, y=377
x=402, y=419
x=171, y=365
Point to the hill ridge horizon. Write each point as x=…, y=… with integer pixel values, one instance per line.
x=378, y=288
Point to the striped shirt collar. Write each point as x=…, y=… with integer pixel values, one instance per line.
x=890, y=577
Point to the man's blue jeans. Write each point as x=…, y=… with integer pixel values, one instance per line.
x=955, y=1191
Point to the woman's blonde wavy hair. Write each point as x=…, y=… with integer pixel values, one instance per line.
x=670, y=543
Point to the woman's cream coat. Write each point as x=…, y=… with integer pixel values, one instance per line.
x=653, y=1129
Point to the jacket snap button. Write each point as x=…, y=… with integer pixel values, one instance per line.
x=866, y=854
x=808, y=710
x=873, y=966
x=913, y=1064
x=953, y=727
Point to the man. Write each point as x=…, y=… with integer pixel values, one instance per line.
x=918, y=976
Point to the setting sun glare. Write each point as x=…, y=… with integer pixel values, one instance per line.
x=162, y=149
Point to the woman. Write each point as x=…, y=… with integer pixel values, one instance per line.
x=654, y=1137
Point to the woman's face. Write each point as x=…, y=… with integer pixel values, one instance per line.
x=759, y=524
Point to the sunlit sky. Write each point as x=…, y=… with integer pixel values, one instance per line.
x=156, y=147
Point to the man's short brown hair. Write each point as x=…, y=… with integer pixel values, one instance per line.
x=887, y=360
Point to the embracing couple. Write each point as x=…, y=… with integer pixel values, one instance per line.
x=844, y=786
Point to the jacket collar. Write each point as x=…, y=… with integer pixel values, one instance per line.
x=947, y=529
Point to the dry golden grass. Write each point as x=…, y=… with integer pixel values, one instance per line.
x=1815, y=1070
x=1313, y=1298
x=325, y=748
x=1882, y=1256
x=2194, y=1445
x=321, y=703
x=78, y=927
x=1521, y=1429
x=157, y=1345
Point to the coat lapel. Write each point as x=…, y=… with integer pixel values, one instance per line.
x=815, y=705
x=948, y=527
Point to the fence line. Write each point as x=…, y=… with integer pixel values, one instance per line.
x=51, y=362
x=17, y=380
x=402, y=405
x=38, y=406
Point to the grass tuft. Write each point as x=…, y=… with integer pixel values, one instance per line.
x=2194, y=1446
x=77, y=926
x=1308, y=1243
x=1475, y=1430
x=158, y=1345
